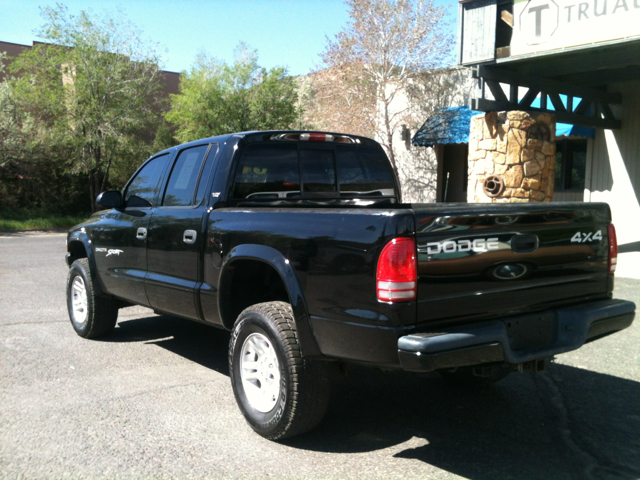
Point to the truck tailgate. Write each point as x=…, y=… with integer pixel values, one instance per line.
x=495, y=260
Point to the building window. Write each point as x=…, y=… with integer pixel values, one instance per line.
x=571, y=164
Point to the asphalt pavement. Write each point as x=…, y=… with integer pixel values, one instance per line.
x=153, y=401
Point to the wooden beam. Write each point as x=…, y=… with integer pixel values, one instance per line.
x=513, y=93
x=496, y=91
x=507, y=17
x=528, y=98
x=508, y=76
x=485, y=105
x=583, y=106
x=601, y=77
x=558, y=106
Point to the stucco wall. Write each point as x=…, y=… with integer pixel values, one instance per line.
x=613, y=165
x=418, y=166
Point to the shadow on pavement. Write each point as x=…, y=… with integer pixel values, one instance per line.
x=568, y=423
x=199, y=343
x=629, y=247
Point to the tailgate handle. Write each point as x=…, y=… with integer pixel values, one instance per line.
x=524, y=243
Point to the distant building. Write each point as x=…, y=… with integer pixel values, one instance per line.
x=170, y=80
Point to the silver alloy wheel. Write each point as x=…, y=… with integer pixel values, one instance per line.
x=79, y=300
x=260, y=372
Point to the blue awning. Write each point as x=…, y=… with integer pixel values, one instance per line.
x=452, y=125
x=449, y=125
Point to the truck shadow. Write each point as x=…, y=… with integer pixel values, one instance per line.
x=199, y=343
x=568, y=423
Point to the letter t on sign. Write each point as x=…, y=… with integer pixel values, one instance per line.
x=538, y=12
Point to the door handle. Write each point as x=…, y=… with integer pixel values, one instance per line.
x=189, y=236
x=142, y=233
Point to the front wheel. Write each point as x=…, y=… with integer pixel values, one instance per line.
x=280, y=393
x=91, y=315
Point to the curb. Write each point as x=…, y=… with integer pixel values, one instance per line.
x=37, y=231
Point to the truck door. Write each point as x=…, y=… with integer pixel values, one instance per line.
x=120, y=245
x=176, y=240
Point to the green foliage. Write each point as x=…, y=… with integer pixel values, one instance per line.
x=216, y=98
x=165, y=137
x=37, y=219
x=88, y=97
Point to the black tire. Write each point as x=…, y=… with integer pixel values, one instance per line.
x=301, y=398
x=98, y=315
x=465, y=376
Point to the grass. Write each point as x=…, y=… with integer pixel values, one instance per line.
x=37, y=220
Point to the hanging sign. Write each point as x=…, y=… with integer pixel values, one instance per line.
x=542, y=25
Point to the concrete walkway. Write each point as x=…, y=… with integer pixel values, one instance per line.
x=628, y=265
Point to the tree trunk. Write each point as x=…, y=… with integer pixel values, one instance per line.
x=389, y=135
x=92, y=192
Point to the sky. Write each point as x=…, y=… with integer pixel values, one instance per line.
x=286, y=33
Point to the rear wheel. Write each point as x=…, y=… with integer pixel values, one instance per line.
x=476, y=376
x=280, y=393
x=91, y=315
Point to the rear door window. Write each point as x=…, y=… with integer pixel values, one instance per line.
x=181, y=188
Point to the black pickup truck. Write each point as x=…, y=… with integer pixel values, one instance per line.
x=298, y=243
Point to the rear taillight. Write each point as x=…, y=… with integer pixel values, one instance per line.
x=397, y=276
x=613, y=248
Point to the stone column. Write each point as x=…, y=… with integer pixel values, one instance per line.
x=512, y=157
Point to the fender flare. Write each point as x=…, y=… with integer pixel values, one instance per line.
x=281, y=265
x=80, y=236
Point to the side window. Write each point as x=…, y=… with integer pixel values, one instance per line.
x=267, y=171
x=184, y=177
x=206, y=173
x=363, y=171
x=143, y=188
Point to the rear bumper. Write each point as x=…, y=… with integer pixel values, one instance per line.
x=515, y=339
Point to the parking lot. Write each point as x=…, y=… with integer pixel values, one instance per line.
x=153, y=400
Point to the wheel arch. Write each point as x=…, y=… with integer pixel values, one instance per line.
x=79, y=246
x=261, y=261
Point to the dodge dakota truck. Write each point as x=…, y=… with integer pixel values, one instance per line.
x=299, y=245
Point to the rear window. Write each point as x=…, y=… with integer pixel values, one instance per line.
x=268, y=172
x=281, y=170
x=363, y=171
x=318, y=171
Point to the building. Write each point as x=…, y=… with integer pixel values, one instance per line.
x=581, y=62
x=170, y=80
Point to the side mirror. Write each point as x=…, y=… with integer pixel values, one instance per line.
x=110, y=199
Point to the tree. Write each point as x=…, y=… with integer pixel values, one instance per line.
x=16, y=126
x=339, y=99
x=216, y=98
x=93, y=91
x=389, y=43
